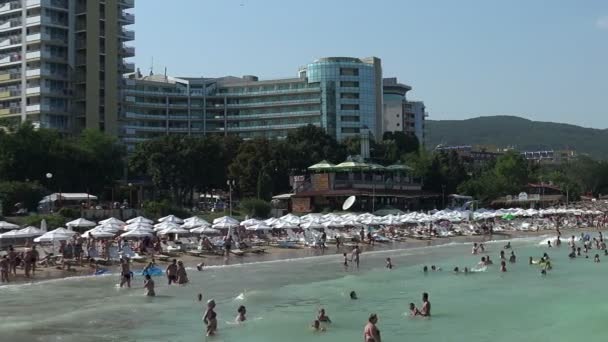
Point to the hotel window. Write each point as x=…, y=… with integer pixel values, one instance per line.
x=349, y=84
x=349, y=106
x=349, y=72
x=349, y=95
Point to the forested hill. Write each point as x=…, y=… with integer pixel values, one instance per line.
x=523, y=134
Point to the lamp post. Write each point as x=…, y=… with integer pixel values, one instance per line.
x=49, y=176
x=230, y=184
x=131, y=195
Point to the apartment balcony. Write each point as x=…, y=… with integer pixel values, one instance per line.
x=7, y=94
x=147, y=128
x=10, y=43
x=127, y=35
x=264, y=127
x=127, y=67
x=271, y=115
x=10, y=111
x=10, y=6
x=127, y=51
x=274, y=103
x=127, y=18
x=271, y=92
x=126, y=3
x=38, y=108
x=10, y=77
x=10, y=59
x=56, y=4
x=8, y=25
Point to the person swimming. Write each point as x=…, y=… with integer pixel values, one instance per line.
x=549, y=244
x=488, y=261
x=200, y=266
x=466, y=270
x=425, y=269
x=502, y=255
x=322, y=317
x=597, y=258
x=413, y=310
x=316, y=326
x=578, y=251
x=149, y=286
x=353, y=295
x=389, y=264
x=433, y=268
x=483, y=262
x=512, y=258
x=425, y=311
x=508, y=245
x=345, y=263
x=456, y=270
x=371, y=332
x=482, y=248
x=241, y=312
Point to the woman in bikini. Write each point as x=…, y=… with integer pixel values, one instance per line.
x=371, y=332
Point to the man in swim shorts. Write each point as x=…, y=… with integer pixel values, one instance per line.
x=171, y=272
x=426, y=306
x=125, y=272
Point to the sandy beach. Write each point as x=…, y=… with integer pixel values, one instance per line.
x=275, y=253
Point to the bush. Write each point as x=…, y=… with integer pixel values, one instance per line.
x=155, y=209
x=52, y=221
x=28, y=194
x=256, y=207
x=69, y=213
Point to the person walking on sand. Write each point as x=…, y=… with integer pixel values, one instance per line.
x=182, y=276
x=27, y=263
x=125, y=272
x=4, y=269
x=149, y=286
x=371, y=332
x=171, y=272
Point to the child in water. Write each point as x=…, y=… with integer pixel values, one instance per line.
x=389, y=264
x=149, y=286
x=503, y=266
x=597, y=258
x=316, y=326
x=413, y=310
x=241, y=311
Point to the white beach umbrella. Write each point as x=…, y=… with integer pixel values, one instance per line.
x=279, y=224
x=226, y=219
x=136, y=233
x=139, y=219
x=205, y=230
x=29, y=232
x=311, y=225
x=13, y=234
x=174, y=230
x=81, y=222
x=251, y=222
x=259, y=227
x=194, y=222
x=291, y=218
x=165, y=225
x=98, y=233
x=8, y=225
x=112, y=220
x=224, y=225
x=132, y=226
x=54, y=235
x=171, y=218
x=109, y=228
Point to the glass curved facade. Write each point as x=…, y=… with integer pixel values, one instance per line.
x=350, y=94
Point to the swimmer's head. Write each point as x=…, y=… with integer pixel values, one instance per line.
x=241, y=309
x=425, y=296
x=483, y=259
x=316, y=324
x=373, y=318
x=211, y=303
x=425, y=269
x=456, y=269
x=344, y=254
x=433, y=267
x=353, y=295
x=200, y=297
x=412, y=306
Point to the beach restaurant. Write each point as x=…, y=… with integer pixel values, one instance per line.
x=326, y=186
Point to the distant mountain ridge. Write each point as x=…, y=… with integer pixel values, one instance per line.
x=523, y=134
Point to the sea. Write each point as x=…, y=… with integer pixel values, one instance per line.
x=283, y=297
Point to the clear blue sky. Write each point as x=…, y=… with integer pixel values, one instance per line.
x=540, y=59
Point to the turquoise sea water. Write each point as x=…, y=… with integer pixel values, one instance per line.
x=282, y=298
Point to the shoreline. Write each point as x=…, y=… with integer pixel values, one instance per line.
x=278, y=254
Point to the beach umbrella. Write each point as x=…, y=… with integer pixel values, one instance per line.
x=81, y=222
x=284, y=225
x=8, y=225
x=165, y=225
x=64, y=231
x=139, y=219
x=324, y=165
x=171, y=218
x=259, y=227
x=204, y=230
x=224, y=225
x=109, y=228
x=136, y=233
x=112, y=220
x=226, y=219
x=251, y=222
x=13, y=234
x=194, y=222
x=136, y=225
x=29, y=232
x=98, y=233
x=54, y=235
x=311, y=225
x=291, y=218
x=174, y=230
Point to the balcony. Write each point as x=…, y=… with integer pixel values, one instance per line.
x=10, y=77
x=38, y=108
x=127, y=35
x=12, y=58
x=53, y=21
x=127, y=18
x=127, y=51
x=10, y=42
x=10, y=25
x=10, y=6
x=5, y=94
x=33, y=55
x=9, y=111
x=127, y=67
x=274, y=103
x=126, y=3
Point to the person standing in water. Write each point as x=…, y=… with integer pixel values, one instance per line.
x=210, y=316
x=474, y=250
x=182, y=276
x=4, y=269
x=389, y=264
x=125, y=272
x=371, y=332
x=345, y=263
x=12, y=260
x=171, y=272
x=503, y=266
x=149, y=286
x=512, y=258
x=426, y=306
x=322, y=317
x=355, y=255
x=241, y=312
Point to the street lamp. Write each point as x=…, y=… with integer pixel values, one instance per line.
x=49, y=176
x=230, y=184
x=131, y=195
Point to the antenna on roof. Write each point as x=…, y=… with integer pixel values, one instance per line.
x=165, y=72
x=152, y=67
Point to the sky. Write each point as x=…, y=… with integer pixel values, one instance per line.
x=544, y=60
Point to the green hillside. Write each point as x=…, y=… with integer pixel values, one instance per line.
x=523, y=134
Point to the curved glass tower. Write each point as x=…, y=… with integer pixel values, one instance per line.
x=351, y=99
